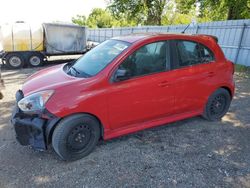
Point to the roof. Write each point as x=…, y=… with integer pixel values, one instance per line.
x=131, y=38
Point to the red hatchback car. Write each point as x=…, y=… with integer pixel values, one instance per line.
x=123, y=85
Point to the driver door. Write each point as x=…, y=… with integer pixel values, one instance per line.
x=148, y=92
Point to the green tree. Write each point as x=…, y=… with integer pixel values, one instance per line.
x=173, y=16
x=121, y=13
x=131, y=10
x=80, y=20
x=154, y=9
x=100, y=18
x=217, y=10
x=145, y=12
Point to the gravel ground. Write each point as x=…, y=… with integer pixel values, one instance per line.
x=188, y=153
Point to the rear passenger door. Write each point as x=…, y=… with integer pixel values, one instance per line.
x=194, y=67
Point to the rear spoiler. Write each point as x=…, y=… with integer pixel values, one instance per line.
x=212, y=36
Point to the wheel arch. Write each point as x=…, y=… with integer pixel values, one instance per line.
x=52, y=125
x=230, y=93
x=228, y=89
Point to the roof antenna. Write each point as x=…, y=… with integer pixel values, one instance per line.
x=186, y=28
x=192, y=23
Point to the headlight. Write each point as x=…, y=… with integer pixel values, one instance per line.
x=35, y=102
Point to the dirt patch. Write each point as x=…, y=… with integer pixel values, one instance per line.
x=188, y=153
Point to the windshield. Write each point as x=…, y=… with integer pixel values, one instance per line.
x=98, y=58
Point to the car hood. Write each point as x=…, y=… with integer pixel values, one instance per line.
x=49, y=78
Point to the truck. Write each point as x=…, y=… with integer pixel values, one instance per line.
x=26, y=44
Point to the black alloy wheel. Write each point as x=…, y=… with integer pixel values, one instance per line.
x=217, y=105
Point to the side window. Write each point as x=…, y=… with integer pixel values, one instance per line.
x=192, y=53
x=151, y=58
x=206, y=55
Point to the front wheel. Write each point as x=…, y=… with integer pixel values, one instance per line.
x=217, y=105
x=76, y=136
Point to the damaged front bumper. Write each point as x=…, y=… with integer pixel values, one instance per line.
x=34, y=130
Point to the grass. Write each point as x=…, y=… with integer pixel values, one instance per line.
x=242, y=70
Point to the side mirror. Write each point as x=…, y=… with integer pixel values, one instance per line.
x=121, y=74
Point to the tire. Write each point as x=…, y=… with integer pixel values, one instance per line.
x=217, y=105
x=14, y=60
x=35, y=59
x=76, y=136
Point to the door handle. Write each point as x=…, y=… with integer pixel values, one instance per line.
x=164, y=84
x=211, y=74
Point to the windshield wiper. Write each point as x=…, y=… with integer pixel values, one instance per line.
x=75, y=70
x=69, y=71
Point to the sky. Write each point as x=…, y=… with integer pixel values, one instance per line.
x=34, y=11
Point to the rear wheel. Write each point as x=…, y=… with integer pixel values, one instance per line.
x=217, y=105
x=14, y=60
x=35, y=59
x=76, y=136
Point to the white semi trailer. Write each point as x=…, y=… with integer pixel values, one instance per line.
x=25, y=44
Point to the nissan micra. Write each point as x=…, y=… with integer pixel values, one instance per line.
x=123, y=85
